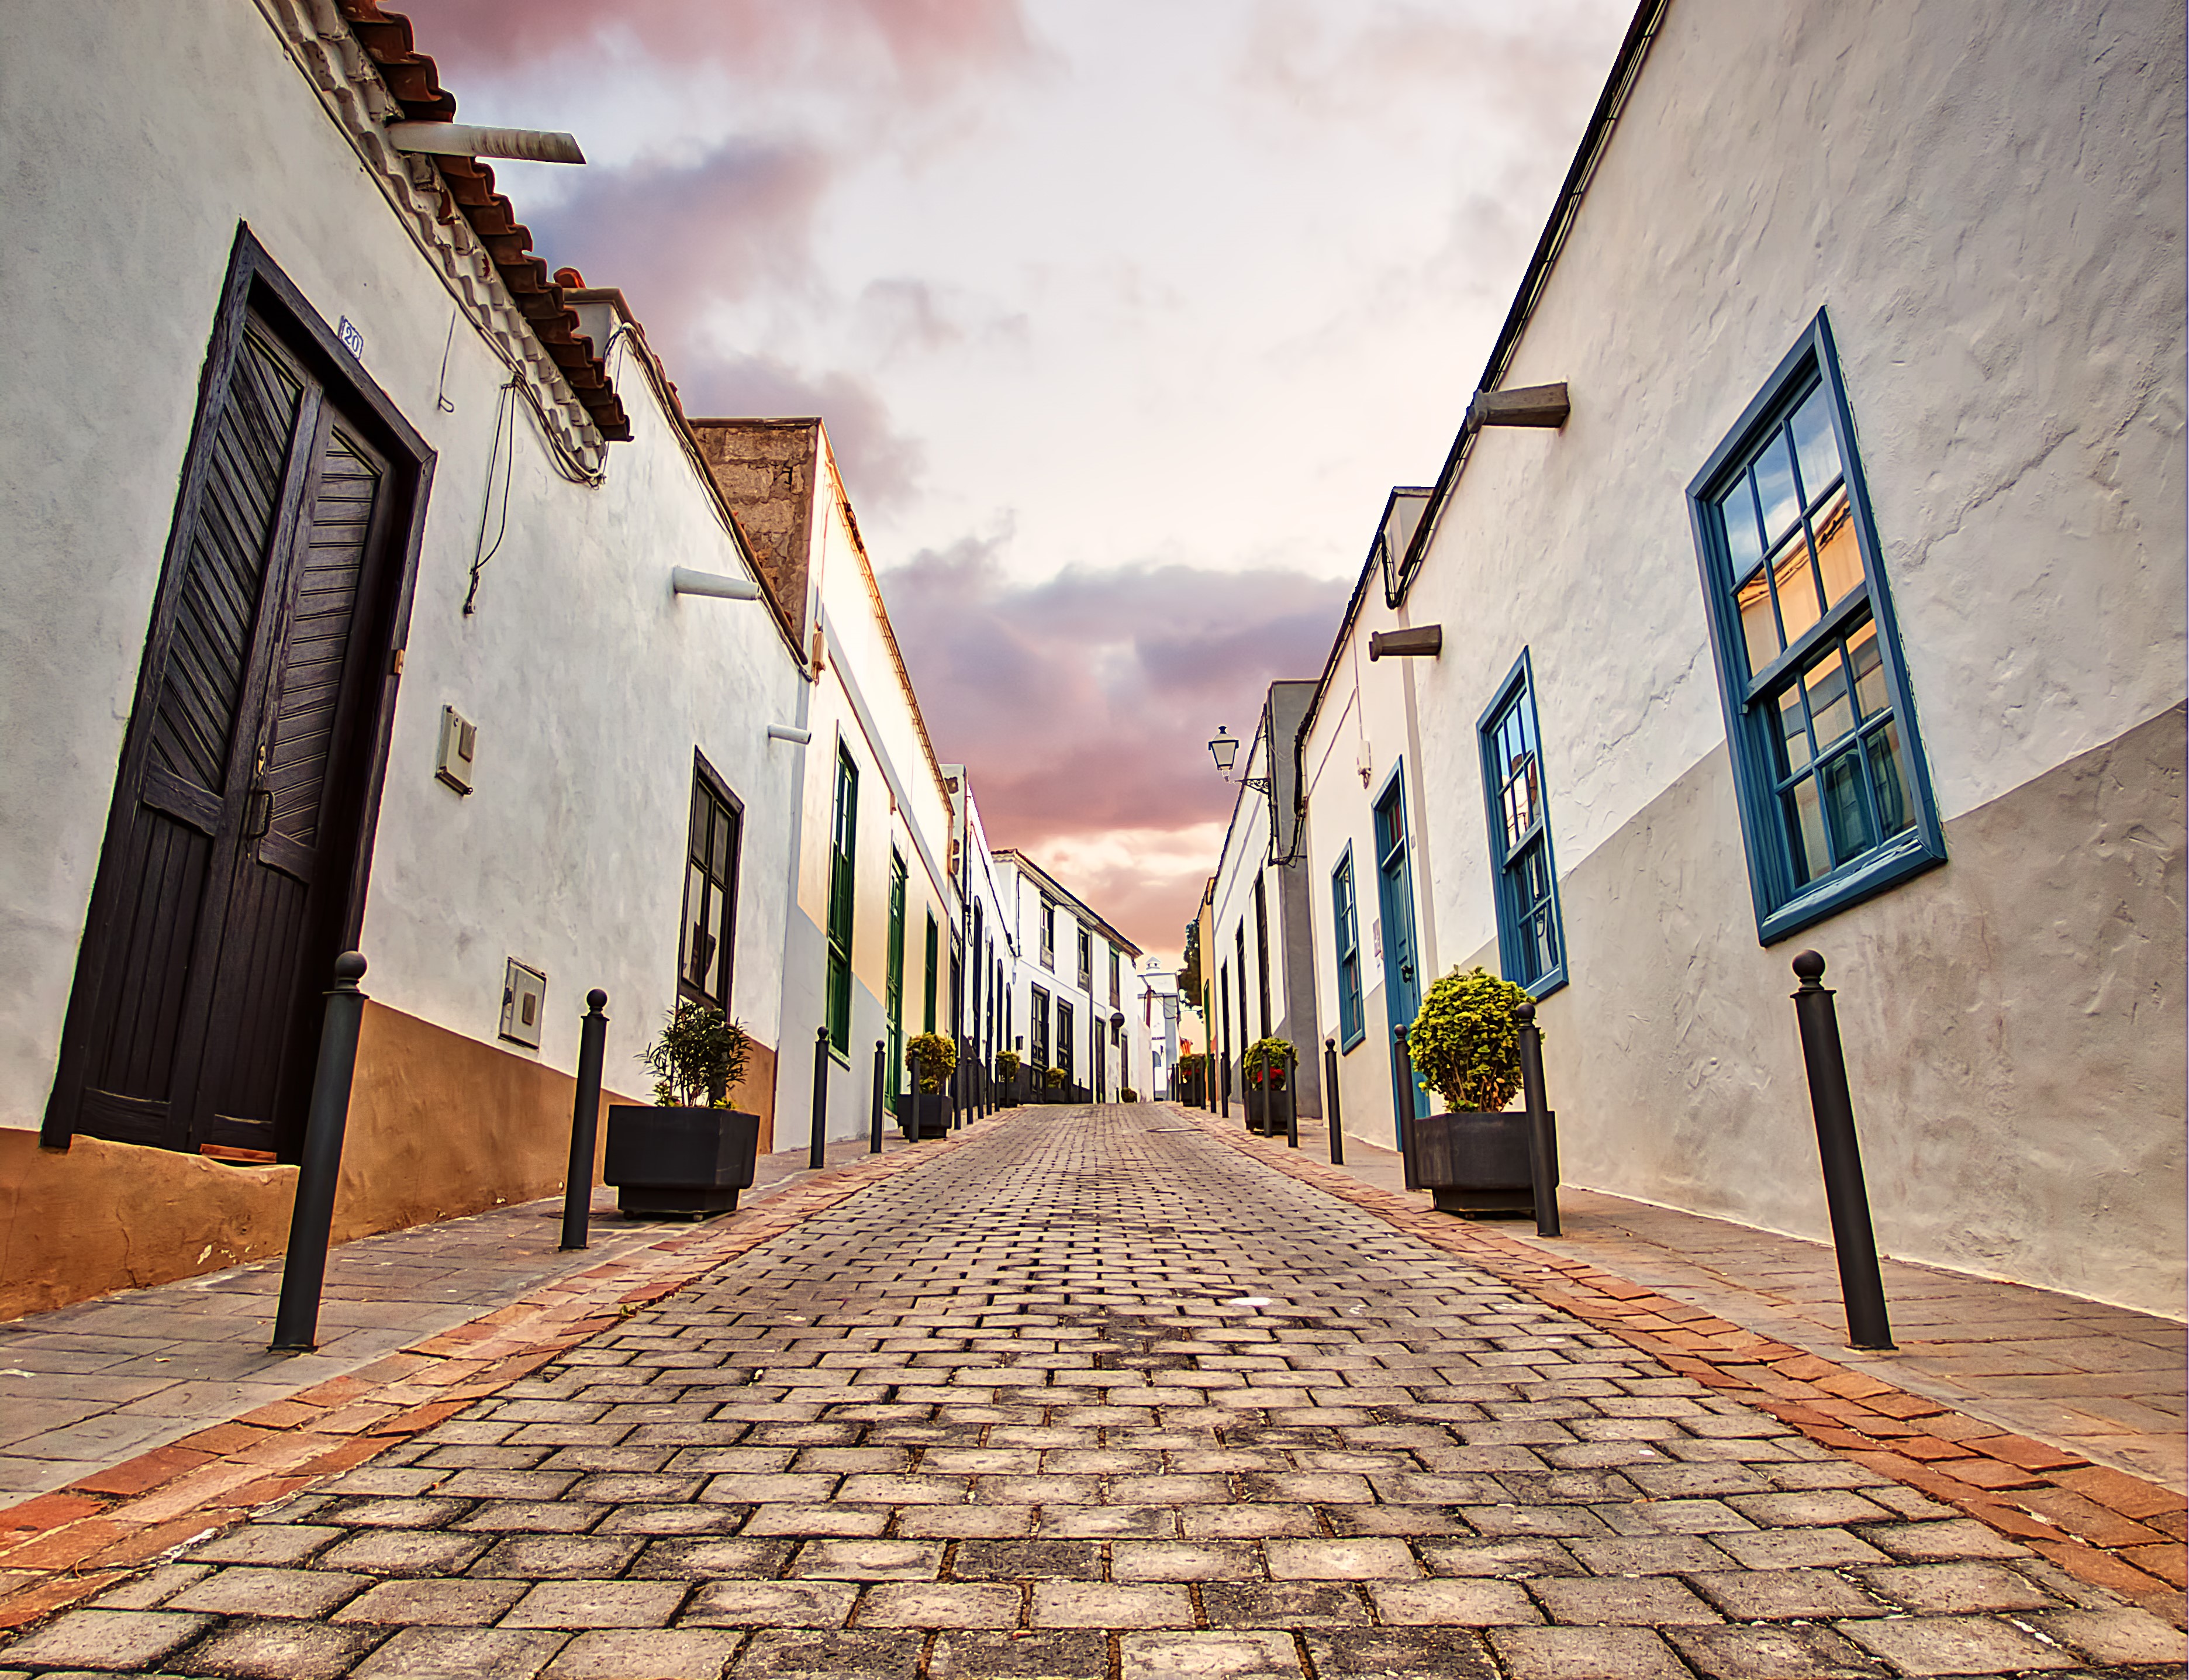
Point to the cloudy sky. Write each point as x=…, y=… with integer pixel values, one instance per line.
x=1123, y=315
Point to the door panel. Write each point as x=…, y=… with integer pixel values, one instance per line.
x=1402, y=984
x=214, y=898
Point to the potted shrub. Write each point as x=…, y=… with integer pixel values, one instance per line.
x=691, y=1152
x=1007, y=1075
x=1265, y=1064
x=1056, y=1086
x=931, y=1058
x=1126, y=1094
x=1472, y=1158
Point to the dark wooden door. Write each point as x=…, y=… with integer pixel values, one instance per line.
x=227, y=858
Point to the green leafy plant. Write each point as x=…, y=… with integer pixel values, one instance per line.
x=696, y=1059
x=1466, y=1044
x=1007, y=1064
x=1191, y=1062
x=936, y=1058
x=1266, y=1059
x=1055, y=1077
x=1126, y=1094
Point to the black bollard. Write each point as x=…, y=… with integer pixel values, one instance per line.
x=815, y=1152
x=1403, y=1106
x=1861, y=1287
x=584, y=1121
x=1330, y=1116
x=304, y=1271
x=1542, y=1128
x=874, y=1130
x=1291, y=1098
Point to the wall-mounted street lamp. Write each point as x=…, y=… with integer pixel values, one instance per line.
x=1224, y=749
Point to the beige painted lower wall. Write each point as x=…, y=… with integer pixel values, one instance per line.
x=440, y=1126
x=2013, y=1022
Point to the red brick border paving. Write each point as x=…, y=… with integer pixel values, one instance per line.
x=2103, y=1525
x=62, y=1546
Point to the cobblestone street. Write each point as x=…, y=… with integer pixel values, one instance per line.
x=1095, y=1393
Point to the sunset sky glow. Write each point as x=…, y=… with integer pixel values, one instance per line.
x=1123, y=319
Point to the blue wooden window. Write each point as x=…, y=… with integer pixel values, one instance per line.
x=1345, y=924
x=1835, y=797
x=1530, y=936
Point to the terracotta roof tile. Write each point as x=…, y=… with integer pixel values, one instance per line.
x=411, y=77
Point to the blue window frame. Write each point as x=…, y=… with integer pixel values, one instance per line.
x=1532, y=941
x=1835, y=797
x=1345, y=926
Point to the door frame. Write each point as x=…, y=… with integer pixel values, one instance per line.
x=1395, y=791
x=253, y=283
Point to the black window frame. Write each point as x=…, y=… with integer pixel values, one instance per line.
x=712, y=793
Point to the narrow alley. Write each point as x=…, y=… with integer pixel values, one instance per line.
x=1093, y=1392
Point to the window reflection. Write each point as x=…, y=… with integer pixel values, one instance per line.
x=1757, y=626
x=1839, y=558
x=1795, y=580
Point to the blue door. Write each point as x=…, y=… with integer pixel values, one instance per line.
x=1402, y=983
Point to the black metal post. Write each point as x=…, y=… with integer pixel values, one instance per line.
x=304, y=1271
x=1861, y=1287
x=874, y=1131
x=815, y=1150
x=584, y=1121
x=1542, y=1129
x=1403, y=1105
x=1330, y=1116
x=1291, y=1098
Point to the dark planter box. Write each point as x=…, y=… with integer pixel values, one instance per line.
x=1265, y=1110
x=1057, y=1094
x=924, y=1114
x=1474, y=1163
x=679, y=1160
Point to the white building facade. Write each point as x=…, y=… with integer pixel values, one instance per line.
x=1809, y=576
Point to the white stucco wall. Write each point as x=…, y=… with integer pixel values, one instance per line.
x=591, y=684
x=1989, y=202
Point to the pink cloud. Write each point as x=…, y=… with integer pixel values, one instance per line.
x=923, y=44
x=1081, y=704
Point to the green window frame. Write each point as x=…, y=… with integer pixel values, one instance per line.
x=843, y=855
x=1345, y=931
x=1835, y=794
x=893, y=982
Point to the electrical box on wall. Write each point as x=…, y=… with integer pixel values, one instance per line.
x=459, y=744
x=524, y=1003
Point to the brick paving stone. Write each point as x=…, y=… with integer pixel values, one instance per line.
x=598, y=1603
x=777, y=1654
x=1168, y=1560
x=1084, y=1603
x=996, y=1409
x=656, y=1653
x=1928, y=1645
x=770, y=1604
x=1784, y=1595
x=387, y=1552
x=1587, y=1654
x=1229, y=1654
x=1454, y=1603
x=1388, y=1652
x=279, y=1650
x=477, y=1653
x=1283, y=1603
x=1773, y=1653
x=2117, y=1636
x=977, y=1656
x=930, y=1603
x=107, y=1639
